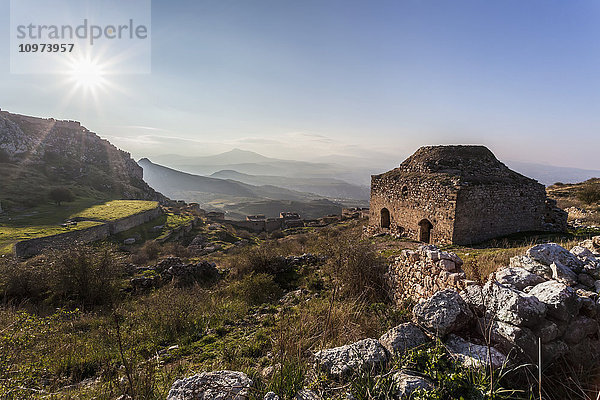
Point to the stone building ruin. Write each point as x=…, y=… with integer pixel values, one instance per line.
x=459, y=195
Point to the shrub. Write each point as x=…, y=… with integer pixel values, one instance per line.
x=589, y=195
x=148, y=252
x=84, y=277
x=22, y=281
x=256, y=289
x=355, y=266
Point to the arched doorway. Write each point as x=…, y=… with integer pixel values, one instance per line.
x=425, y=228
x=385, y=218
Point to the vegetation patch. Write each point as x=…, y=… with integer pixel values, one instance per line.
x=116, y=209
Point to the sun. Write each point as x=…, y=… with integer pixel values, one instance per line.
x=87, y=74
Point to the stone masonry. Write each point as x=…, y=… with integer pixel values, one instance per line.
x=459, y=195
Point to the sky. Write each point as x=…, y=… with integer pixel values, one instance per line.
x=320, y=79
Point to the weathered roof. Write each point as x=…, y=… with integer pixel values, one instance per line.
x=461, y=164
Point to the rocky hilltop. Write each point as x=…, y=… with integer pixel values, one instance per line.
x=44, y=151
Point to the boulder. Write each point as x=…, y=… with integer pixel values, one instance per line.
x=583, y=253
x=509, y=338
x=580, y=328
x=518, y=277
x=586, y=280
x=217, y=385
x=306, y=394
x=549, y=253
x=564, y=274
x=592, y=245
x=553, y=350
x=342, y=362
x=473, y=296
x=407, y=383
x=473, y=355
x=547, y=331
x=512, y=306
x=560, y=299
x=271, y=396
x=529, y=264
x=402, y=338
x=444, y=312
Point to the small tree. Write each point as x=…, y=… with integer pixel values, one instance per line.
x=61, y=194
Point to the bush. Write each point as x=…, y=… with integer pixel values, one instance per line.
x=589, y=195
x=256, y=289
x=84, y=277
x=355, y=266
x=148, y=252
x=22, y=281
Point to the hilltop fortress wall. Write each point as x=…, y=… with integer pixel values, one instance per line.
x=32, y=247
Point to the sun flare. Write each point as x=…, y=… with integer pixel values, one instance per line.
x=87, y=74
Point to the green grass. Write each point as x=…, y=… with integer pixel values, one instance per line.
x=116, y=209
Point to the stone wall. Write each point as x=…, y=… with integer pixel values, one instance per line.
x=132, y=221
x=410, y=201
x=32, y=247
x=484, y=212
x=418, y=274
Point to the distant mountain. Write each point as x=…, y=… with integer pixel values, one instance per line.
x=247, y=162
x=549, y=174
x=38, y=154
x=236, y=198
x=235, y=156
x=329, y=187
x=173, y=182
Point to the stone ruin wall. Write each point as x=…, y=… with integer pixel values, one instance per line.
x=418, y=274
x=484, y=212
x=32, y=247
x=411, y=201
x=549, y=294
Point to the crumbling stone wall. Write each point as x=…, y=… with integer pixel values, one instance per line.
x=549, y=295
x=418, y=274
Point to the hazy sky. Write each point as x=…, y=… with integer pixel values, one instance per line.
x=304, y=79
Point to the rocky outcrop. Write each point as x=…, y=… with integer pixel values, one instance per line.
x=218, y=385
x=64, y=152
x=175, y=270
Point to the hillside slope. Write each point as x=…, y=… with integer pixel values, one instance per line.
x=37, y=154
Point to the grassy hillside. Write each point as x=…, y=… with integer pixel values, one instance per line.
x=261, y=318
x=582, y=200
x=46, y=220
x=38, y=155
